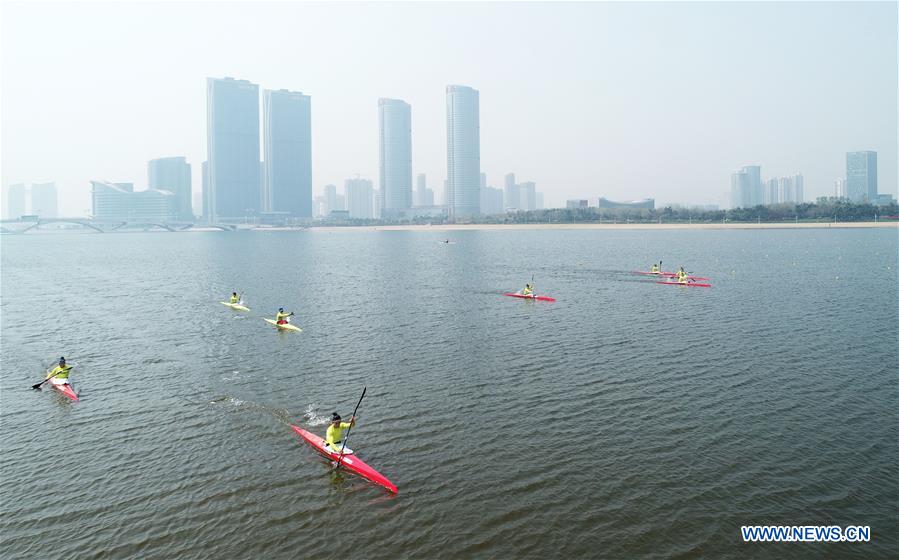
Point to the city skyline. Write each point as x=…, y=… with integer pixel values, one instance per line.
x=672, y=106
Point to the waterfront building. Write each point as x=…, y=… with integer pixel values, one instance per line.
x=287, y=161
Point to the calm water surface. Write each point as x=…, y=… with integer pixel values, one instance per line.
x=625, y=420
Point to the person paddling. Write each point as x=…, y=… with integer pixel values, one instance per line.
x=681, y=276
x=235, y=298
x=60, y=374
x=282, y=318
x=654, y=269
x=528, y=290
x=334, y=435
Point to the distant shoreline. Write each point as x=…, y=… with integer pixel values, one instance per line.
x=471, y=227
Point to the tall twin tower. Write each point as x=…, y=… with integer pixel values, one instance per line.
x=236, y=183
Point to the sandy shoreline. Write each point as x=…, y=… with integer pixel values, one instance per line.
x=500, y=227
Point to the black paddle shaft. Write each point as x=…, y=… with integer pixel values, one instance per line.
x=347, y=436
x=38, y=386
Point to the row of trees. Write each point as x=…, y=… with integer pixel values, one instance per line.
x=824, y=209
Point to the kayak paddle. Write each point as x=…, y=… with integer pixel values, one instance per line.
x=347, y=436
x=38, y=386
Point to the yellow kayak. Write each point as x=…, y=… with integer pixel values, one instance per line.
x=285, y=326
x=235, y=306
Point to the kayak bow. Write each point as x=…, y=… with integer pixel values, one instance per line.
x=351, y=462
x=235, y=306
x=538, y=298
x=285, y=326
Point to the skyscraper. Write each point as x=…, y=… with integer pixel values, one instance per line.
x=15, y=201
x=786, y=190
x=287, y=124
x=207, y=193
x=755, y=195
x=463, y=151
x=423, y=195
x=772, y=194
x=359, y=198
x=798, y=188
x=232, y=147
x=861, y=176
x=740, y=190
x=173, y=174
x=511, y=193
x=395, y=126
x=44, y=200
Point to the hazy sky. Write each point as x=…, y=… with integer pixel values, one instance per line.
x=623, y=100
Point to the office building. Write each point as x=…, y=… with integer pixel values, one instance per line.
x=579, y=203
x=173, y=174
x=463, y=151
x=395, y=163
x=287, y=152
x=861, y=176
x=740, y=190
x=44, y=202
x=360, y=196
x=232, y=146
x=755, y=194
x=120, y=203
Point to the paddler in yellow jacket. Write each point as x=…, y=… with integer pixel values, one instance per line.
x=334, y=435
x=654, y=269
x=281, y=317
x=528, y=290
x=235, y=298
x=60, y=374
x=681, y=276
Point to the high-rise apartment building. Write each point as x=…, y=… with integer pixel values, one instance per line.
x=511, y=193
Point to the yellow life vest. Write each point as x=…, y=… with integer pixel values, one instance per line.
x=60, y=372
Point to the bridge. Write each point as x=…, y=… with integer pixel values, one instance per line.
x=33, y=223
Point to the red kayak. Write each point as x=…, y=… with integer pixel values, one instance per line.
x=538, y=298
x=350, y=462
x=66, y=390
x=667, y=275
x=690, y=284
